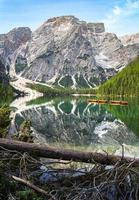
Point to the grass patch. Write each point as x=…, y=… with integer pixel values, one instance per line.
x=4, y=121
x=58, y=91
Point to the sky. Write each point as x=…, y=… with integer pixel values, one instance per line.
x=120, y=16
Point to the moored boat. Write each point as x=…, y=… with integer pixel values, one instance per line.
x=97, y=101
x=112, y=102
x=119, y=102
x=124, y=102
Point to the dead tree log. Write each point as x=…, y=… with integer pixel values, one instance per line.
x=64, y=154
x=30, y=185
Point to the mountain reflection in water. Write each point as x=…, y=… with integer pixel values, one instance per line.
x=75, y=123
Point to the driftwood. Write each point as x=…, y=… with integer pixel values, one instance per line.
x=30, y=185
x=65, y=154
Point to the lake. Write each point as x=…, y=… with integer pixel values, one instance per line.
x=77, y=124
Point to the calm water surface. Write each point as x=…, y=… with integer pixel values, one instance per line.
x=75, y=123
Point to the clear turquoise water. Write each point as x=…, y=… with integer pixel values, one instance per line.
x=75, y=123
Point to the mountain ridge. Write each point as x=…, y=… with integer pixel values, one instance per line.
x=66, y=52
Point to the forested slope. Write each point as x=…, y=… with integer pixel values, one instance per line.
x=125, y=82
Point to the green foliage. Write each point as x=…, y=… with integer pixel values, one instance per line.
x=25, y=132
x=127, y=114
x=51, y=91
x=86, y=91
x=58, y=91
x=6, y=92
x=81, y=81
x=5, y=185
x=66, y=81
x=125, y=83
x=27, y=195
x=4, y=121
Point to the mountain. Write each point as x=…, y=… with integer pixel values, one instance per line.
x=125, y=82
x=130, y=39
x=66, y=52
x=9, y=43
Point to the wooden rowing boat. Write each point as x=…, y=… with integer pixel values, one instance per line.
x=93, y=101
x=97, y=101
x=124, y=102
x=119, y=102
x=108, y=102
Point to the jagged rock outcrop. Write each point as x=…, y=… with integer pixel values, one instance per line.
x=67, y=52
x=9, y=43
x=130, y=39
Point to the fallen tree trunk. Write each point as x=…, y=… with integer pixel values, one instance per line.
x=30, y=185
x=64, y=154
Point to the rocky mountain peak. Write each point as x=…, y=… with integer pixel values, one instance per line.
x=73, y=21
x=130, y=39
x=67, y=52
x=62, y=20
x=22, y=34
x=9, y=43
x=96, y=27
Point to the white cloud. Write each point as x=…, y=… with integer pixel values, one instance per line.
x=132, y=4
x=117, y=14
x=117, y=10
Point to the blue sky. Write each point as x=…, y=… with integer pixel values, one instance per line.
x=119, y=16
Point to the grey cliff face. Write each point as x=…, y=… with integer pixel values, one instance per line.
x=63, y=51
x=67, y=52
x=71, y=53
x=130, y=39
x=9, y=43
